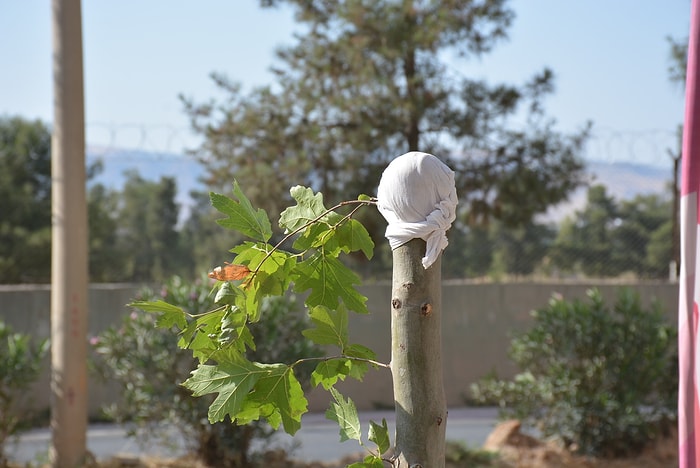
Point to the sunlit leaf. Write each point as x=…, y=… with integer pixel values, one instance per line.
x=168, y=314
x=277, y=396
x=329, y=280
x=331, y=326
x=309, y=207
x=231, y=380
x=370, y=461
x=344, y=413
x=241, y=216
x=353, y=236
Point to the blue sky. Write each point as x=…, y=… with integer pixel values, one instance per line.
x=610, y=58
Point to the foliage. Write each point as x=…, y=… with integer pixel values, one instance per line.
x=25, y=201
x=220, y=339
x=148, y=217
x=366, y=81
x=599, y=378
x=19, y=368
x=149, y=366
x=677, y=57
x=609, y=238
x=457, y=454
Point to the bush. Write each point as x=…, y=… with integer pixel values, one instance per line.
x=601, y=379
x=19, y=368
x=148, y=365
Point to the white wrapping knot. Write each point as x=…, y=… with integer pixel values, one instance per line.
x=418, y=198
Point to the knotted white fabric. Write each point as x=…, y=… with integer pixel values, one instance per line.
x=418, y=198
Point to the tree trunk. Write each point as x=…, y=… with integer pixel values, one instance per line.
x=416, y=363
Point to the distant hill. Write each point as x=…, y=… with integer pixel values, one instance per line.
x=624, y=180
x=150, y=166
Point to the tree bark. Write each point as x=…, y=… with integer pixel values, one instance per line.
x=416, y=362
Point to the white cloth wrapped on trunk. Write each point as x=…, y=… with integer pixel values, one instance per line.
x=418, y=198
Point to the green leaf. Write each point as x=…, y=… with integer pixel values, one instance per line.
x=277, y=396
x=379, y=435
x=358, y=369
x=315, y=236
x=228, y=293
x=309, y=207
x=328, y=279
x=364, y=197
x=201, y=335
x=331, y=326
x=328, y=372
x=231, y=379
x=352, y=236
x=345, y=414
x=169, y=315
x=241, y=216
x=370, y=461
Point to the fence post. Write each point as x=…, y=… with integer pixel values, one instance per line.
x=417, y=196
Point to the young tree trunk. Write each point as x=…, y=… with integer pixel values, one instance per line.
x=416, y=363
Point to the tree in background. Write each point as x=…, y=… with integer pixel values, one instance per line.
x=107, y=259
x=25, y=201
x=609, y=238
x=366, y=82
x=148, y=217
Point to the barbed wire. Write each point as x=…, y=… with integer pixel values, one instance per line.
x=124, y=140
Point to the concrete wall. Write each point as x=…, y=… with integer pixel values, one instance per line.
x=478, y=322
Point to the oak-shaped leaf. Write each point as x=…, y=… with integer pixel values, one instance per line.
x=352, y=236
x=359, y=366
x=271, y=274
x=328, y=281
x=328, y=372
x=168, y=315
x=277, y=397
x=308, y=208
x=231, y=378
x=344, y=412
x=241, y=216
x=330, y=326
x=379, y=434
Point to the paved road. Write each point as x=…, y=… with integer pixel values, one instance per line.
x=318, y=438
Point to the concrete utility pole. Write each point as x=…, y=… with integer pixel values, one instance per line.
x=69, y=271
x=417, y=196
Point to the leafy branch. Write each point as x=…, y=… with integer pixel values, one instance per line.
x=219, y=339
x=363, y=201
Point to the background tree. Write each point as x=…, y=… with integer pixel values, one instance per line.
x=366, y=82
x=25, y=201
x=608, y=238
x=584, y=240
x=148, y=218
x=107, y=259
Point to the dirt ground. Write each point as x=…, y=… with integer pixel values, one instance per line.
x=517, y=450
x=514, y=450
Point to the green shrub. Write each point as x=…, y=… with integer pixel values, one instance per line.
x=149, y=367
x=20, y=364
x=601, y=379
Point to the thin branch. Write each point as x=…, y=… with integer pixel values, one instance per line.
x=341, y=356
x=359, y=204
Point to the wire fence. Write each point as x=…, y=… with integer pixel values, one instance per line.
x=634, y=238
